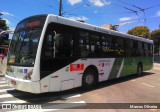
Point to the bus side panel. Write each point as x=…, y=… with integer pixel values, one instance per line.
x=54, y=82
x=130, y=66
x=78, y=74
x=131, y=63
x=147, y=62
x=70, y=75
x=45, y=84
x=59, y=79
x=116, y=68
x=104, y=66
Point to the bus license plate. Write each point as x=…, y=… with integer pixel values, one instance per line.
x=13, y=82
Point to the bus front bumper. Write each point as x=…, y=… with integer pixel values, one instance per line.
x=23, y=85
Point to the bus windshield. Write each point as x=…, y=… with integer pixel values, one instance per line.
x=24, y=43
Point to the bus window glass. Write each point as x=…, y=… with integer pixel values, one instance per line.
x=107, y=46
x=24, y=43
x=146, y=50
x=119, y=46
x=95, y=45
x=150, y=48
x=84, y=44
x=140, y=49
x=49, y=46
x=135, y=48
x=129, y=51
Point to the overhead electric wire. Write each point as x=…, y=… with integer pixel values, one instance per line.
x=134, y=11
x=101, y=13
x=140, y=9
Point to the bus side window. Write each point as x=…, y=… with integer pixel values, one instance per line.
x=146, y=50
x=150, y=48
x=107, y=46
x=95, y=43
x=66, y=47
x=49, y=46
x=119, y=46
x=84, y=44
x=135, y=48
x=140, y=50
x=129, y=51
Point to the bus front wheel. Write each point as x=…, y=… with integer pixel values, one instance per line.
x=89, y=78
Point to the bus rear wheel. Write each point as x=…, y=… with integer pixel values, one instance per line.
x=139, y=69
x=89, y=79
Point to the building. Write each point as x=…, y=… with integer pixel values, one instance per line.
x=110, y=27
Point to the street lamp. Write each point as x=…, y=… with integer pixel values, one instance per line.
x=75, y=8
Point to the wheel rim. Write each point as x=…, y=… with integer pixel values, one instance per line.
x=89, y=79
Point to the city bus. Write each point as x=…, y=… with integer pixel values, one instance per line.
x=49, y=53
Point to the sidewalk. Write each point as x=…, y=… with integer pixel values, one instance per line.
x=3, y=67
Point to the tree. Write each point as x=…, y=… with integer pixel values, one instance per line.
x=155, y=36
x=3, y=24
x=141, y=31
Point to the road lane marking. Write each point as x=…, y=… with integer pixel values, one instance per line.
x=5, y=85
x=148, y=85
x=153, y=109
x=3, y=82
x=3, y=79
x=5, y=90
x=71, y=96
x=55, y=107
x=15, y=101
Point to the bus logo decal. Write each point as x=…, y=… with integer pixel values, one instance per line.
x=25, y=70
x=76, y=67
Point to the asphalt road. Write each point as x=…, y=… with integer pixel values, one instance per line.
x=122, y=92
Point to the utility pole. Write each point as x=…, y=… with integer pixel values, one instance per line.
x=60, y=7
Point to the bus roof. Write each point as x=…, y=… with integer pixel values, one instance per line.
x=69, y=22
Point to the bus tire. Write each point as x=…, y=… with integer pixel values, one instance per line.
x=139, y=69
x=89, y=79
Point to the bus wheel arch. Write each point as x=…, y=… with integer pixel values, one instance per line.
x=90, y=76
x=139, y=68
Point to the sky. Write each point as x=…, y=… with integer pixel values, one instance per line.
x=126, y=13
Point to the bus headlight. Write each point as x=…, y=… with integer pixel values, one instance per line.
x=29, y=74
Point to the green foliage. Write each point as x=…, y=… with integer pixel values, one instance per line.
x=3, y=24
x=155, y=36
x=141, y=31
